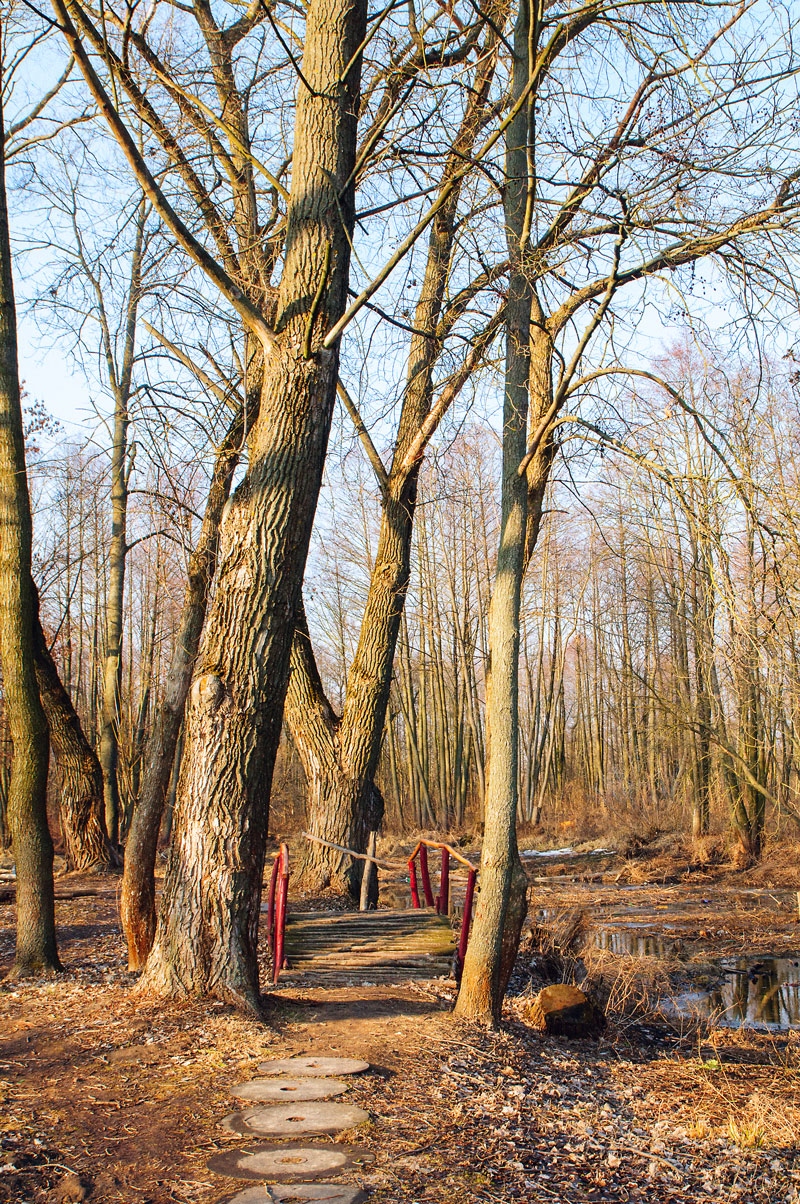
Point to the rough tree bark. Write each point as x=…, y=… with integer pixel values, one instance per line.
x=206, y=938
x=86, y=845
x=502, y=900
x=137, y=901
x=339, y=754
x=36, y=950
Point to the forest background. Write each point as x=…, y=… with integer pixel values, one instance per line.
x=660, y=680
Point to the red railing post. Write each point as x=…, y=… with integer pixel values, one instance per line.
x=273, y=882
x=412, y=882
x=280, y=913
x=426, y=877
x=465, y=919
x=444, y=884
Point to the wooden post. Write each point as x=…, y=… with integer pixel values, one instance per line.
x=273, y=882
x=426, y=877
x=367, y=874
x=280, y=913
x=465, y=919
x=412, y=882
x=444, y=884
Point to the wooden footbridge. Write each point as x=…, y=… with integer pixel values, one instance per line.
x=345, y=948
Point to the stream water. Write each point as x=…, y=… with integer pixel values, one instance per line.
x=759, y=991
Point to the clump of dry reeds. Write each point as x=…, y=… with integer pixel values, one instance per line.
x=624, y=987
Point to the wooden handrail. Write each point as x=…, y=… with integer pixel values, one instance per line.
x=440, y=844
x=340, y=848
x=393, y=865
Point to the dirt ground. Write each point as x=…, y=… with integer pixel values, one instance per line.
x=109, y=1096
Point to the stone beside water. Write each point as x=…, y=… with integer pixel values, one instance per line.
x=295, y=1119
x=289, y=1089
x=314, y=1066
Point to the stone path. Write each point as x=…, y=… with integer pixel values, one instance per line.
x=310, y=1111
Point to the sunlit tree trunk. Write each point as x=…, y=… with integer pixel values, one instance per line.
x=502, y=901
x=86, y=845
x=137, y=901
x=36, y=950
x=206, y=939
x=340, y=753
x=121, y=383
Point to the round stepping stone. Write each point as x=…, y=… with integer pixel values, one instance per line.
x=281, y=1162
x=295, y=1120
x=314, y=1066
x=289, y=1089
x=332, y=1193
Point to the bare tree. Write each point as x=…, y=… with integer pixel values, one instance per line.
x=36, y=950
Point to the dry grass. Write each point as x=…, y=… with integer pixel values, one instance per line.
x=752, y=1106
x=625, y=987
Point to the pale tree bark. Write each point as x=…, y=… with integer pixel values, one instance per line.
x=121, y=380
x=36, y=951
x=86, y=844
x=339, y=754
x=206, y=939
x=502, y=901
x=137, y=901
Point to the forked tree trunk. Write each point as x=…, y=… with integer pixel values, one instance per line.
x=86, y=845
x=36, y=950
x=137, y=902
x=343, y=806
x=502, y=900
x=206, y=939
x=340, y=754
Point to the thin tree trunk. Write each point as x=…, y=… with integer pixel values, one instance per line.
x=502, y=901
x=118, y=546
x=206, y=940
x=36, y=950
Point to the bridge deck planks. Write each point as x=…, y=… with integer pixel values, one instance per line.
x=339, y=948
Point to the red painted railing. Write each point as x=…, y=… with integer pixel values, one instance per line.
x=277, y=910
x=441, y=903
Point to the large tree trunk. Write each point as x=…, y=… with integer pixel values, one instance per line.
x=502, y=900
x=206, y=939
x=86, y=845
x=137, y=902
x=340, y=755
x=36, y=950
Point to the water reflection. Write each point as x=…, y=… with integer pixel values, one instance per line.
x=764, y=992
x=630, y=942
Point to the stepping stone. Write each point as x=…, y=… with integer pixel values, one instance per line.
x=289, y=1089
x=284, y=1161
x=314, y=1066
x=295, y=1120
x=332, y=1193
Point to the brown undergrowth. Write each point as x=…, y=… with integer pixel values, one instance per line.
x=119, y=1097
